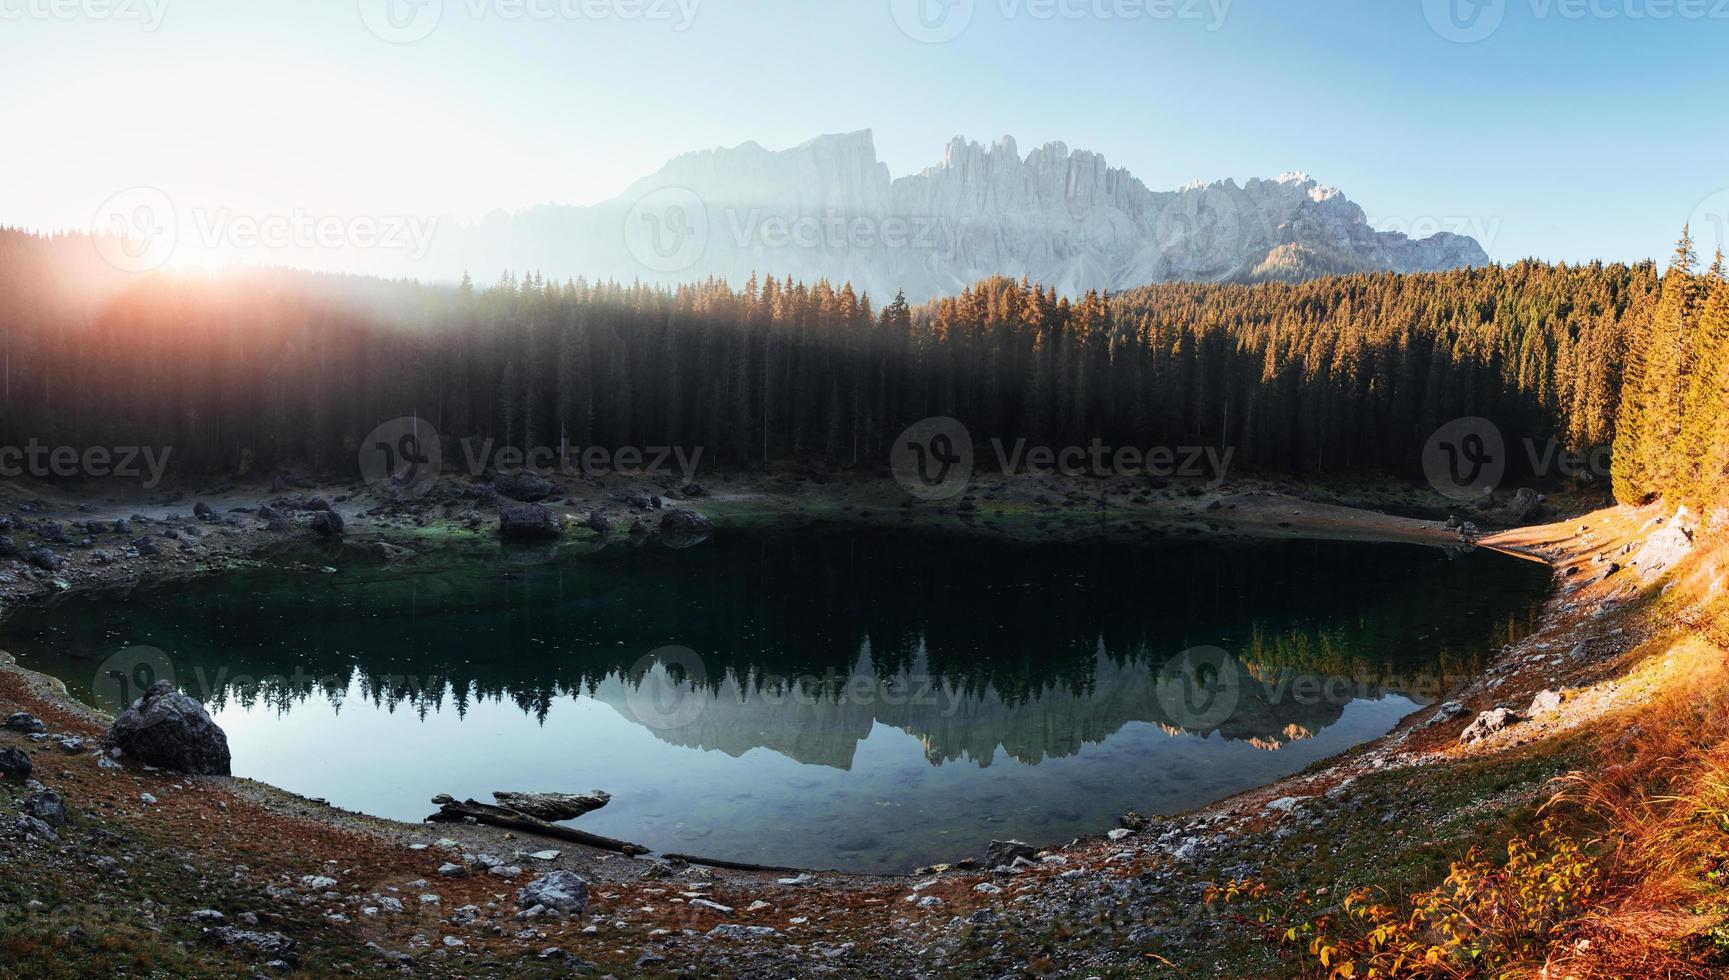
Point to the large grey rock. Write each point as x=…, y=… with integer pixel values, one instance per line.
x=565, y=891
x=48, y=807
x=1665, y=547
x=166, y=728
x=14, y=765
x=1001, y=852
x=525, y=487
x=1524, y=506
x=1488, y=723
x=23, y=721
x=274, y=945
x=529, y=522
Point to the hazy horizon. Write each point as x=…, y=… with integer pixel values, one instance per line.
x=1536, y=127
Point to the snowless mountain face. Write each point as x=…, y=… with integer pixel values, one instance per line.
x=830, y=209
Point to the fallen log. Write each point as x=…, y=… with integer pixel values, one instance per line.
x=732, y=865
x=451, y=811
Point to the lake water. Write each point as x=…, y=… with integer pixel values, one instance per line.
x=848, y=698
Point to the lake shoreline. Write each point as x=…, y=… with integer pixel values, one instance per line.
x=867, y=921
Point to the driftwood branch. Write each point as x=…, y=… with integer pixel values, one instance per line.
x=731, y=865
x=498, y=816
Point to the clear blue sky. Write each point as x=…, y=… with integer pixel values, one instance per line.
x=1565, y=134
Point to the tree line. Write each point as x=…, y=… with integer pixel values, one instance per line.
x=270, y=370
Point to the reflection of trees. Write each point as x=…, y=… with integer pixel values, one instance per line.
x=1016, y=632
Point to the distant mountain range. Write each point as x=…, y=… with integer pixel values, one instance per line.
x=829, y=208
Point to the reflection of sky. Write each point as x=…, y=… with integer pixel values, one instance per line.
x=893, y=809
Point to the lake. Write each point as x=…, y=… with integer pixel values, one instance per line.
x=852, y=698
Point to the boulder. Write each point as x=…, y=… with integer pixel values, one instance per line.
x=48, y=807
x=1545, y=702
x=525, y=487
x=565, y=891
x=274, y=945
x=328, y=524
x=166, y=728
x=529, y=522
x=1001, y=852
x=1524, y=506
x=24, y=721
x=599, y=522
x=203, y=511
x=44, y=558
x=553, y=806
x=1488, y=723
x=1666, y=547
x=14, y=765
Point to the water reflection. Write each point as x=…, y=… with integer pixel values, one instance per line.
x=1006, y=673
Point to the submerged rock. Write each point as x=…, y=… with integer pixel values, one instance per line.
x=168, y=729
x=685, y=522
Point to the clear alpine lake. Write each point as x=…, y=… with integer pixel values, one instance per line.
x=851, y=698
